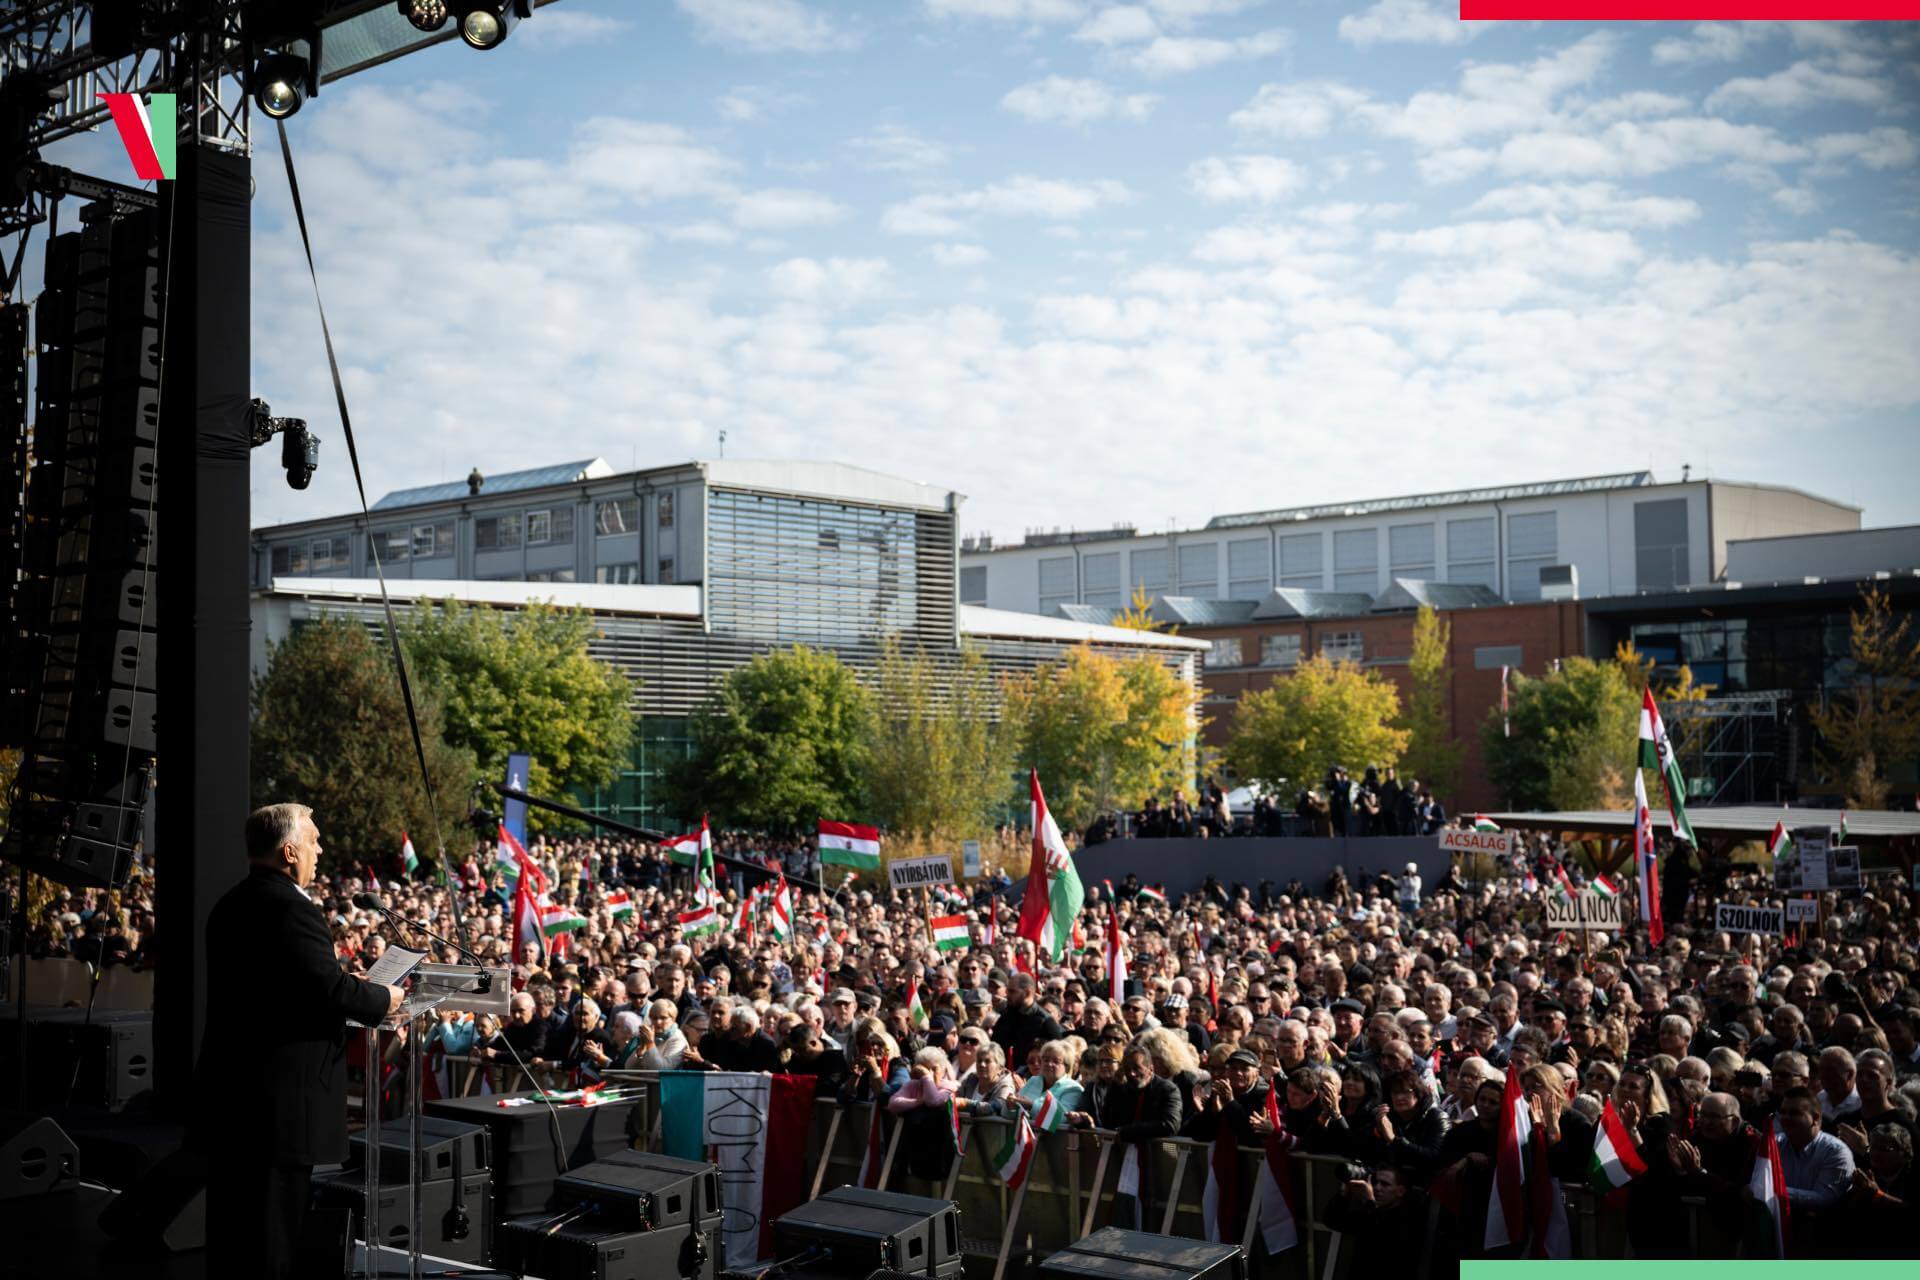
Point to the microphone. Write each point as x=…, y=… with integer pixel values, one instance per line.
x=369, y=902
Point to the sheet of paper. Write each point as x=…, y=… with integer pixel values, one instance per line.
x=394, y=964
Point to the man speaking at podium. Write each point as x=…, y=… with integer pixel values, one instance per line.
x=272, y=1075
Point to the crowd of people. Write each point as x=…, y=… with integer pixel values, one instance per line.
x=1386, y=1015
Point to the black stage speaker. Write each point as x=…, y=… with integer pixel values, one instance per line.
x=448, y=1148
x=36, y=1156
x=443, y=1202
x=640, y=1191
x=581, y=1251
x=166, y=1206
x=856, y=1231
x=1113, y=1254
x=526, y=1156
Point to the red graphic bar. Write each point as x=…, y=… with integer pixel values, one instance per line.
x=1689, y=10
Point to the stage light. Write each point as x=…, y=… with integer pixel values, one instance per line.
x=425, y=15
x=485, y=25
x=279, y=84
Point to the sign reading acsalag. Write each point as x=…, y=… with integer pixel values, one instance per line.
x=1729, y=917
x=920, y=873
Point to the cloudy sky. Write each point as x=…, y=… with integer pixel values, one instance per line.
x=1092, y=263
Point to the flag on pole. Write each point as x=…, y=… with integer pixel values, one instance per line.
x=699, y=922
x=849, y=844
x=1054, y=893
x=916, y=1010
x=1273, y=1189
x=1614, y=1162
x=1016, y=1152
x=949, y=932
x=1656, y=752
x=1116, y=958
x=410, y=860
x=1646, y=861
x=1769, y=1186
x=620, y=902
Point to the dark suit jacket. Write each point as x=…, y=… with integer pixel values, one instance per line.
x=272, y=1074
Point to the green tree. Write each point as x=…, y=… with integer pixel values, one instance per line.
x=1325, y=713
x=330, y=731
x=942, y=756
x=1573, y=741
x=1875, y=724
x=522, y=680
x=784, y=742
x=1432, y=755
x=1103, y=731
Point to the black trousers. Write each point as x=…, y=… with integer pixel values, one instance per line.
x=255, y=1214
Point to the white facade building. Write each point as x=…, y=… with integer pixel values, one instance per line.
x=1620, y=535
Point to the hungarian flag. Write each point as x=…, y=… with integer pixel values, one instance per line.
x=1614, y=1162
x=1152, y=894
x=848, y=844
x=780, y=911
x=1116, y=958
x=1273, y=1191
x=1605, y=887
x=556, y=920
x=1656, y=752
x=949, y=932
x=1481, y=822
x=1646, y=861
x=620, y=902
x=526, y=917
x=1526, y=1204
x=1054, y=893
x=409, y=860
x=1015, y=1155
x=1769, y=1186
x=1221, y=1199
x=758, y=1123
x=699, y=922
x=916, y=1010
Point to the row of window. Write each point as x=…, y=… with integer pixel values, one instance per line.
x=1413, y=551
x=1284, y=650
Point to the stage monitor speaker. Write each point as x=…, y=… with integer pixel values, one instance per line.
x=640, y=1191
x=578, y=1251
x=448, y=1148
x=857, y=1231
x=439, y=1201
x=166, y=1206
x=1113, y=1254
x=36, y=1156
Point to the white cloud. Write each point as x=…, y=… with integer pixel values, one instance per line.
x=1303, y=110
x=1407, y=22
x=1119, y=24
x=1176, y=55
x=958, y=255
x=781, y=209
x=571, y=31
x=1592, y=201
x=1027, y=11
x=1260, y=179
x=1882, y=148
x=833, y=282
x=1801, y=85
x=895, y=148
x=1021, y=197
x=1067, y=101
x=766, y=26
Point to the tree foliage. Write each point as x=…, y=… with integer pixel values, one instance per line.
x=1574, y=737
x=942, y=757
x=330, y=731
x=523, y=680
x=1103, y=731
x=783, y=742
x=1875, y=724
x=1432, y=754
x=1325, y=713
